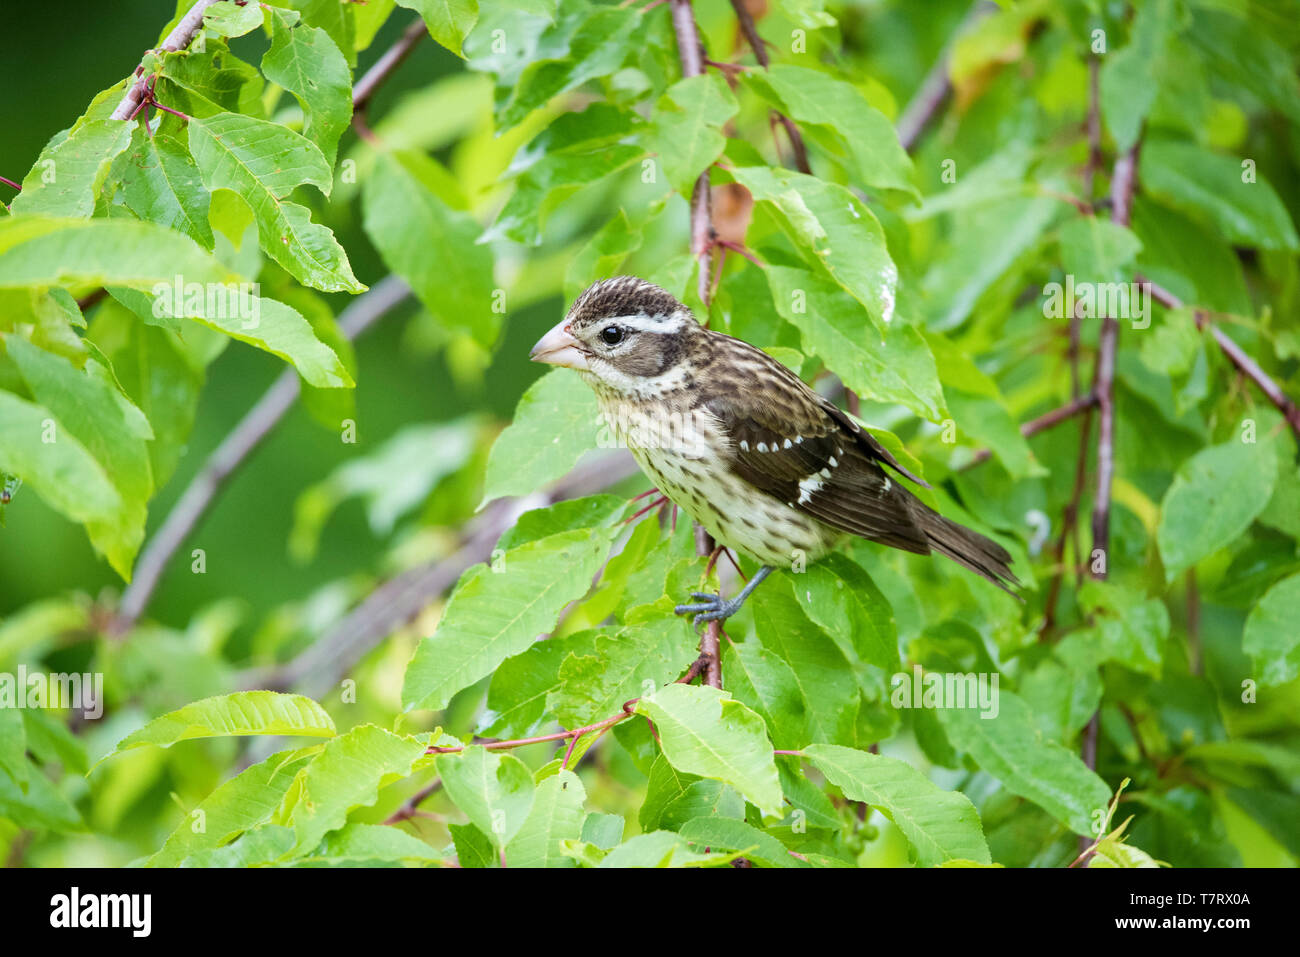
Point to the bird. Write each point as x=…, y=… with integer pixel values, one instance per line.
x=770, y=468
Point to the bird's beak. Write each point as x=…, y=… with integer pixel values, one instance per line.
x=559, y=347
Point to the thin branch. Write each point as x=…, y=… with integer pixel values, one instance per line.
x=690, y=49
x=1040, y=424
x=397, y=601
x=393, y=57
x=1236, y=355
x=411, y=807
x=936, y=86
x=180, y=37
x=1122, y=186
x=232, y=452
x=756, y=44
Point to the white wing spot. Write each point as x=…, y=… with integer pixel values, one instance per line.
x=886, y=487
x=834, y=461
x=787, y=443
x=811, y=485
x=762, y=446
x=744, y=446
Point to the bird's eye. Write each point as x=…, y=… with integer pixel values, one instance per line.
x=611, y=335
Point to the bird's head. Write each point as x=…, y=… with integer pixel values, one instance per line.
x=624, y=334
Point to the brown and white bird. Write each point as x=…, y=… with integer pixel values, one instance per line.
x=769, y=467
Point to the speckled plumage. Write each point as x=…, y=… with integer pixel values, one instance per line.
x=741, y=444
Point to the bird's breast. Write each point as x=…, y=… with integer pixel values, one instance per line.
x=686, y=455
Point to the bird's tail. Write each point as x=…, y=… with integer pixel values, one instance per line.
x=977, y=552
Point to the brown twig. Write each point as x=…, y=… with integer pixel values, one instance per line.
x=935, y=87
x=747, y=27
x=411, y=807
x=394, y=603
x=1236, y=355
x=180, y=37
x=690, y=50
x=1040, y=424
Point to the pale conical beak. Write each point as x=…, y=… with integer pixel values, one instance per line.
x=559, y=347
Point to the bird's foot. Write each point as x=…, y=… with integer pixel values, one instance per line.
x=710, y=607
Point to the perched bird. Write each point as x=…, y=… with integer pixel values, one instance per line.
x=769, y=467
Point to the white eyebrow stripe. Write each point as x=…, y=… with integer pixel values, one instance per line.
x=643, y=323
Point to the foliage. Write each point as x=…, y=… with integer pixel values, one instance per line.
x=534, y=716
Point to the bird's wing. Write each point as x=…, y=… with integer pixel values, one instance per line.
x=785, y=441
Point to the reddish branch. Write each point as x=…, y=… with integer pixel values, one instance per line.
x=935, y=87
x=180, y=37
x=690, y=49
x=1236, y=355
x=756, y=44
x=1042, y=423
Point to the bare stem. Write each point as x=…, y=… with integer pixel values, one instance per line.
x=180, y=37
x=1237, y=356
x=1041, y=424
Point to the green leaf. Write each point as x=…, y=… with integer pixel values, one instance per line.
x=40, y=807
x=418, y=234
x=496, y=793
x=603, y=38
x=349, y=772
x=473, y=849
x=103, y=252
x=89, y=405
x=239, y=713
x=1214, y=497
x=662, y=849
x=841, y=597
x=823, y=673
x=1127, y=87
x=69, y=174
x=239, y=804
x=899, y=368
x=449, y=21
x=263, y=163
x=727, y=834
x=57, y=467
x=556, y=421
x=1010, y=747
x=1217, y=190
x=940, y=825
x=228, y=19
x=624, y=664
x=494, y=614
x=160, y=377
x=705, y=731
x=602, y=256
x=1096, y=250
x=1271, y=637
x=307, y=63
x=370, y=844
x=556, y=815
x=549, y=182
x=270, y=325
x=686, y=129
x=13, y=742
x=835, y=115
x=831, y=228
x=763, y=681
x=160, y=183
